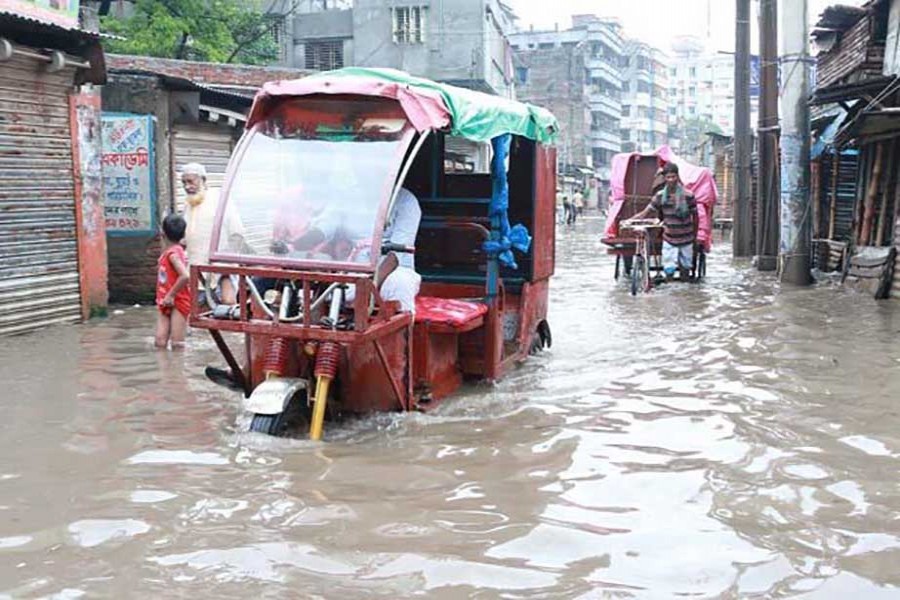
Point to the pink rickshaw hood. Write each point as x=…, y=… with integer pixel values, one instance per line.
x=424, y=109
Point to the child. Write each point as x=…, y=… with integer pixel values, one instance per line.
x=173, y=298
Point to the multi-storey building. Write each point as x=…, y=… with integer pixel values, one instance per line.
x=575, y=73
x=645, y=98
x=455, y=41
x=701, y=92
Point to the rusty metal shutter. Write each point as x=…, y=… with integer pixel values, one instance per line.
x=39, y=282
x=206, y=143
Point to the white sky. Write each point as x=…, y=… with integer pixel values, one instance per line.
x=656, y=22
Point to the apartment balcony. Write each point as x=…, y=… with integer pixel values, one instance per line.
x=603, y=33
x=606, y=139
x=606, y=105
x=605, y=70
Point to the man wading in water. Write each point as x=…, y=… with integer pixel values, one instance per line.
x=678, y=210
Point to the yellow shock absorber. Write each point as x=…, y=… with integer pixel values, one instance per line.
x=325, y=372
x=318, y=416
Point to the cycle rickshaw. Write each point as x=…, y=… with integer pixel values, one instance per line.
x=635, y=179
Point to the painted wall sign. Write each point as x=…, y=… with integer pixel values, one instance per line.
x=57, y=12
x=129, y=188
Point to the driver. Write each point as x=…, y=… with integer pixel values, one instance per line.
x=678, y=210
x=396, y=274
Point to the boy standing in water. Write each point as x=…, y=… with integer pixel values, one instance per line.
x=173, y=298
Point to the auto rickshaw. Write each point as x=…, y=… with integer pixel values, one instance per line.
x=319, y=340
x=635, y=179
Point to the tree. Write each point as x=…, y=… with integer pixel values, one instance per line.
x=242, y=31
x=692, y=132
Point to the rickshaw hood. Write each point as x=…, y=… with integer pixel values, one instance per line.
x=428, y=105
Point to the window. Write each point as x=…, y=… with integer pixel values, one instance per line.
x=279, y=36
x=522, y=75
x=409, y=24
x=545, y=46
x=626, y=110
x=324, y=56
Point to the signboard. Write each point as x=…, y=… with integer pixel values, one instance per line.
x=129, y=183
x=56, y=12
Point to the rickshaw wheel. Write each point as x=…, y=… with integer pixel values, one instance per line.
x=295, y=412
x=268, y=424
x=637, y=275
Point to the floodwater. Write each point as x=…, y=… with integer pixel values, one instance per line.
x=732, y=439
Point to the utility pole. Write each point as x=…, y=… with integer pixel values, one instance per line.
x=742, y=240
x=794, y=248
x=767, y=195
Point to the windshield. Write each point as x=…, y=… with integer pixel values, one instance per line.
x=310, y=183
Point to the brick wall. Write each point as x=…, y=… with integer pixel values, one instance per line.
x=556, y=81
x=203, y=72
x=132, y=260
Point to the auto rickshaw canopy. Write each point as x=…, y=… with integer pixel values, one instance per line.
x=427, y=104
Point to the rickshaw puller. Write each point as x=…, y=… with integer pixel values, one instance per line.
x=678, y=210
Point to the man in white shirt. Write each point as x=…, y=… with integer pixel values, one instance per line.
x=397, y=275
x=403, y=283
x=200, y=209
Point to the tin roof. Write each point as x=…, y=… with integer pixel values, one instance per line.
x=32, y=25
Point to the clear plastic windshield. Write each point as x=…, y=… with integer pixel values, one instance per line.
x=310, y=182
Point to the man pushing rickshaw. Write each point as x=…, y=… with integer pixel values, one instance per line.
x=680, y=196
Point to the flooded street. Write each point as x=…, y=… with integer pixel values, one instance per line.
x=723, y=440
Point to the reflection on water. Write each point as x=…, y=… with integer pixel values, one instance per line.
x=726, y=440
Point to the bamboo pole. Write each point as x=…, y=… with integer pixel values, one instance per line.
x=835, y=181
x=865, y=235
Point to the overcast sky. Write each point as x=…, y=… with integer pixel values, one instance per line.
x=653, y=21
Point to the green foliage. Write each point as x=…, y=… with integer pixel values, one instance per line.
x=206, y=30
x=693, y=132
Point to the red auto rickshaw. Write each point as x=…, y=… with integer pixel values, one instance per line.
x=338, y=147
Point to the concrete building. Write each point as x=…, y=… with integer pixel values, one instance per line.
x=701, y=89
x=645, y=98
x=461, y=42
x=575, y=73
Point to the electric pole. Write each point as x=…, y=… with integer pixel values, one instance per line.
x=794, y=247
x=767, y=195
x=742, y=240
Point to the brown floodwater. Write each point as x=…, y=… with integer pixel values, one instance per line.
x=732, y=439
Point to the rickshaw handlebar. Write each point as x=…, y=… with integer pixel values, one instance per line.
x=389, y=247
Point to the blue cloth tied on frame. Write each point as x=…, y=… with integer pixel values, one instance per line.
x=503, y=237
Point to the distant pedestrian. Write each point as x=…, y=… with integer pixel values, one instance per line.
x=572, y=213
x=560, y=208
x=578, y=202
x=173, y=298
x=568, y=210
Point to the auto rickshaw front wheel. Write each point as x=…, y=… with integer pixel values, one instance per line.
x=268, y=424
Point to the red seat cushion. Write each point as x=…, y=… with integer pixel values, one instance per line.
x=447, y=311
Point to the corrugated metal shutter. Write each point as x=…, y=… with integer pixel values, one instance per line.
x=38, y=239
x=205, y=143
